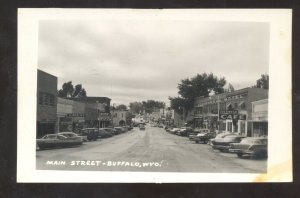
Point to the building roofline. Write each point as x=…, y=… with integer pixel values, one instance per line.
x=46, y=73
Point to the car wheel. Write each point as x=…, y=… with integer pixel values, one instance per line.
x=221, y=150
x=239, y=155
x=197, y=142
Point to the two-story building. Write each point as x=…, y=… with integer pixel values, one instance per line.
x=46, y=103
x=228, y=112
x=259, y=118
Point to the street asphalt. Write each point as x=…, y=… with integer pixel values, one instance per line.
x=150, y=150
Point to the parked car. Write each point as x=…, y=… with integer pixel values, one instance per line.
x=203, y=137
x=184, y=131
x=91, y=133
x=102, y=133
x=73, y=135
x=168, y=128
x=56, y=140
x=222, y=144
x=174, y=130
x=142, y=127
x=251, y=146
x=124, y=129
x=111, y=130
x=219, y=136
x=118, y=130
x=193, y=133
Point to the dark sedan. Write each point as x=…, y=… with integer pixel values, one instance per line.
x=252, y=146
x=104, y=133
x=56, y=140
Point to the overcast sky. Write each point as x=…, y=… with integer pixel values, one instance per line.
x=139, y=60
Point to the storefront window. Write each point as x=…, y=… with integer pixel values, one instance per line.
x=229, y=126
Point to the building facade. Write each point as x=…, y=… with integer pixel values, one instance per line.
x=228, y=112
x=259, y=120
x=96, y=111
x=46, y=103
x=119, y=117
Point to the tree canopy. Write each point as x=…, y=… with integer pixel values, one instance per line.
x=68, y=90
x=263, y=82
x=145, y=106
x=121, y=107
x=199, y=85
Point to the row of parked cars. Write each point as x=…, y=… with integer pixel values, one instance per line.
x=68, y=139
x=256, y=147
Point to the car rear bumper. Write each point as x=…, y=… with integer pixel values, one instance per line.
x=240, y=151
x=220, y=147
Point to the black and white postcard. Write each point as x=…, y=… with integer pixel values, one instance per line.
x=154, y=95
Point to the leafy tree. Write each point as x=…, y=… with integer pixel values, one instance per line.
x=68, y=90
x=151, y=105
x=230, y=88
x=146, y=106
x=199, y=85
x=121, y=107
x=263, y=82
x=136, y=107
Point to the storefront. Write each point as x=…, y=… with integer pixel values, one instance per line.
x=46, y=103
x=229, y=112
x=259, y=118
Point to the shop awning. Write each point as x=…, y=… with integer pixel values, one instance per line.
x=228, y=105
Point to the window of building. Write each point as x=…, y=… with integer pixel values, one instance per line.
x=51, y=100
x=235, y=105
x=243, y=105
x=46, y=99
x=40, y=98
x=229, y=126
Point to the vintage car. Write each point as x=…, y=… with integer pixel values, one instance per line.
x=251, y=146
x=142, y=127
x=102, y=133
x=203, y=137
x=174, y=130
x=73, y=135
x=91, y=133
x=192, y=134
x=219, y=136
x=56, y=140
x=118, y=130
x=222, y=144
x=184, y=131
x=111, y=130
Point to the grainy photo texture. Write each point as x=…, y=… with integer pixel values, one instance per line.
x=154, y=94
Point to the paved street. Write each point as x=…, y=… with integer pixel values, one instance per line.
x=151, y=150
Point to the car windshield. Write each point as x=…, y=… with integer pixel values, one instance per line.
x=231, y=138
x=68, y=134
x=50, y=136
x=254, y=141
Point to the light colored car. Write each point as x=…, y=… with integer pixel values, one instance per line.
x=251, y=146
x=223, y=144
x=193, y=133
x=73, y=135
x=203, y=137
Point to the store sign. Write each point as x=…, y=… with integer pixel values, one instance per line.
x=234, y=112
x=226, y=116
x=75, y=115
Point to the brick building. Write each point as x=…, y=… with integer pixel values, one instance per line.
x=228, y=112
x=46, y=103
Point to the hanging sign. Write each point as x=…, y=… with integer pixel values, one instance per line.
x=226, y=116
